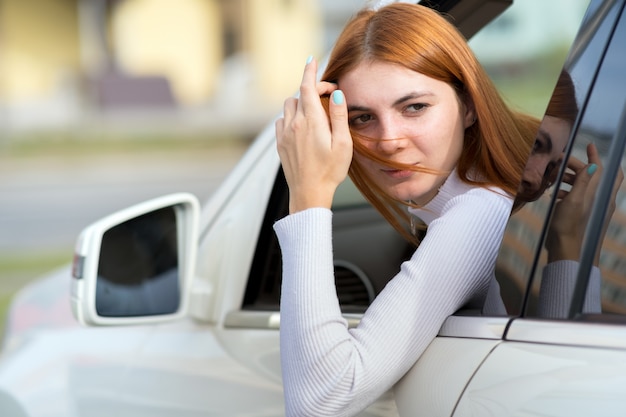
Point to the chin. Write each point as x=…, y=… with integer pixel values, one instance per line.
x=414, y=190
x=405, y=196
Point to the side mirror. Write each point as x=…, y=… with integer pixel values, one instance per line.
x=134, y=266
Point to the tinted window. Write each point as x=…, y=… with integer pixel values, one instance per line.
x=603, y=123
x=524, y=252
x=524, y=51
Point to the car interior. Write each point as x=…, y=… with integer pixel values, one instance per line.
x=368, y=252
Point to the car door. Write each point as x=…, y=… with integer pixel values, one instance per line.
x=566, y=353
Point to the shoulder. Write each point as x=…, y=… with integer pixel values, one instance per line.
x=484, y=197
x=489, y=198
x=486, y=205
x=457, y=196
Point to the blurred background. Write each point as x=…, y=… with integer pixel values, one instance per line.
x=106, y=103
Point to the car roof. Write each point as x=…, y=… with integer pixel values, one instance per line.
x=469, y=16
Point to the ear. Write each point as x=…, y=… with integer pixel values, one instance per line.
x=470, y=113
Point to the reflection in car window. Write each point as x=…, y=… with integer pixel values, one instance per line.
x=521, y=255
x=526, y=74
x=555, y=282
x=601, y=122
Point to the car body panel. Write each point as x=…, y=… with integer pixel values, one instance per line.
x=530, y=379
x=229, y=239
x=609, y=336
x=434, y=385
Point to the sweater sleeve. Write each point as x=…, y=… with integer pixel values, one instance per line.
x=330, y=370
x=558, y=281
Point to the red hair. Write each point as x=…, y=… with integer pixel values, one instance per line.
x=495, y=148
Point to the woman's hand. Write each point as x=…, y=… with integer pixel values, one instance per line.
x=315, y=148
x=567, y=227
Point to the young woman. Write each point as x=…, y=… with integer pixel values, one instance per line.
x=417, y=123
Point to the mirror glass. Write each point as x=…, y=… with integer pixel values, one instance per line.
x=138, y=272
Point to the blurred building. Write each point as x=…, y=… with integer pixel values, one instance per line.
x=167, y=64
x=95, y=62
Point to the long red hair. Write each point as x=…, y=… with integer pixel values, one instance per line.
x=496, y=147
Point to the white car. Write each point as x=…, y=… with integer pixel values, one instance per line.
x=178, y=303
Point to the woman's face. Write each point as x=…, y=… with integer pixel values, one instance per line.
x=543, y=162
x=417, y=120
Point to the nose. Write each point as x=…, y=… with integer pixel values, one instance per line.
x=390, y=146
x=391, y=139
x=533, y=173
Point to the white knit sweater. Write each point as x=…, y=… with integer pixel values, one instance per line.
x=330, y=370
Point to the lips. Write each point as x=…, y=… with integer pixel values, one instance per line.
x=398, y=173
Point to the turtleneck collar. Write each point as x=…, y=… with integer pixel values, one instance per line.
x=452, y=187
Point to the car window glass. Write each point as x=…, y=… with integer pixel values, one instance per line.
x=593, y=119
x=524, y=49
x=522, y=255
x=601, y=124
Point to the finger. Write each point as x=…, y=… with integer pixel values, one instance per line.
x=569, y=178
x=290, y=108
x=561, y=194
x=581, y=184
x=338, y=114
x=582, y=172
x=575, y=164
x=280, y=126
x=309, y=98
x=619, y=179
x=326, y=88
x=592, y=154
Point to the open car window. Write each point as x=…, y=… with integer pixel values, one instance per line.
x=368, y=252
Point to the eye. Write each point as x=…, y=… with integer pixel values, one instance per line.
x=360, y=120
x=537, y=146
x=415, y=107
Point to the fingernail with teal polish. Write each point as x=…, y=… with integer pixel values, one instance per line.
x=591, y=169
x=337, y=97
x=309, y=59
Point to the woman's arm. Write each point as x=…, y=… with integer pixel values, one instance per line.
x=330, y=370
x=565, y=238
x=558, y=281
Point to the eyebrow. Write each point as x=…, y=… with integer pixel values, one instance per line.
x=407, y=97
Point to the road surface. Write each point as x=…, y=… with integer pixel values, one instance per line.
x=46, y=201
